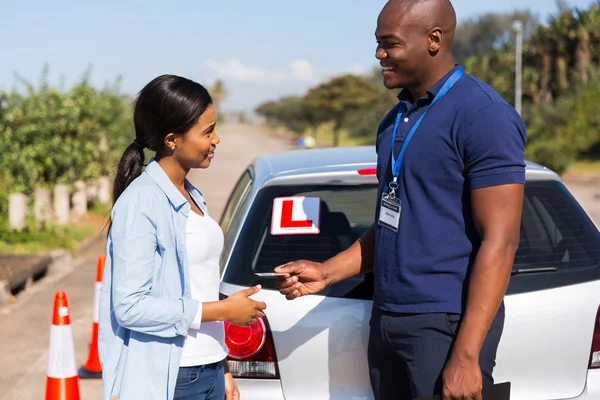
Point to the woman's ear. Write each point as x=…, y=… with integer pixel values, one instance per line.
x=171, y=141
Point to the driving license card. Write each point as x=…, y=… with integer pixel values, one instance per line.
x=270, y=274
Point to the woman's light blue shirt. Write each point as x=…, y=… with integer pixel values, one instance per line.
x=145, y=304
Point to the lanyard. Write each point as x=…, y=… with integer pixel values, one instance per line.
x=396, y=164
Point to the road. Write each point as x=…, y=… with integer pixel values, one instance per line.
x=587, y=193
x=25, y=325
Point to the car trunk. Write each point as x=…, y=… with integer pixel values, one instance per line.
x=321, y=341
x=320, y=345
x=545, y=347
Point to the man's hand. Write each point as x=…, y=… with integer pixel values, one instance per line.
x=306, y=277
x=231, y=390
x=461, y=379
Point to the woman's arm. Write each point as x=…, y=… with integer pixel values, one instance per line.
x=133, y=247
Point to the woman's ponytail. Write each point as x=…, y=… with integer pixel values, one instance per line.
x=130, y=167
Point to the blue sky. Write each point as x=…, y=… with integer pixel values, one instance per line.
x=262, y=49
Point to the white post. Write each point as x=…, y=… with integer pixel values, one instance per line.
x=17, y=211
x=80, y=199
x=42, y=206
x=62, y=204
x=518, y=27
x=104, y=195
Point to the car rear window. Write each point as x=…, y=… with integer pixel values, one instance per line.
x=555, y=232
x=346, y=212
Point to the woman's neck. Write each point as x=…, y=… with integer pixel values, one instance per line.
x=174, y=171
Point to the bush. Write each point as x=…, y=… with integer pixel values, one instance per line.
x=51, y=137
x=564, y=131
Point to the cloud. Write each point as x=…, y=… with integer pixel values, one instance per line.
x=301, y=71
x=250, y=85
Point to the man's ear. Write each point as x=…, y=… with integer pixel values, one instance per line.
x=435, y=37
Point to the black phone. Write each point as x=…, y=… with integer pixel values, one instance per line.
x=498, y=391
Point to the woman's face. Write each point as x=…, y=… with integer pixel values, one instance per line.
x=196, y=148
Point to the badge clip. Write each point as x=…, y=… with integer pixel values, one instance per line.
x=393, y=186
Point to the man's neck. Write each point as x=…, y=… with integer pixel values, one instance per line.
x=433, y=76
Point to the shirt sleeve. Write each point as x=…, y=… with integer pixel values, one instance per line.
x=197, y=321
x=133, y=249
x=493, y=147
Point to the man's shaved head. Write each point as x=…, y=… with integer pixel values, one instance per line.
x=428, y=14
x=415, y=41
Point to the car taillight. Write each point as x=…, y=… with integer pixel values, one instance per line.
x=251, y=350
x=595, y=353
x=244, y=341
x=367, y=171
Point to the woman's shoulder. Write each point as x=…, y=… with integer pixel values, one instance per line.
x=142, y=193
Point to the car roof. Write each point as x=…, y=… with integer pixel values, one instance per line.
x=335, y=159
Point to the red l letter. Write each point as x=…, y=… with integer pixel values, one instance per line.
x=286, y=217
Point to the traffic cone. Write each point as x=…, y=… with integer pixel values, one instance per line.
x=92, y=369
x=62, y=382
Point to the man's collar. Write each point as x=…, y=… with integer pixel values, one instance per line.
x=405, y=94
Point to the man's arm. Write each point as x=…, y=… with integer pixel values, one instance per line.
x=492, y=146
x=356, y=259
x=307, y=277
x=497, y=217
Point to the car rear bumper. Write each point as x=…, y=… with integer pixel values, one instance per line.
x=260, y=389
x=592, y=386
x=270, y=389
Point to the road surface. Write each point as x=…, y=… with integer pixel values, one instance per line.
x=25, y=325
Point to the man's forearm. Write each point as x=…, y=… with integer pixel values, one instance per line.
x=487, y=285
x=357, y=259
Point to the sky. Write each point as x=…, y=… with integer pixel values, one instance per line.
x=261, y=49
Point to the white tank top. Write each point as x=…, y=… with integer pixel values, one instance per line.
x=204, y=243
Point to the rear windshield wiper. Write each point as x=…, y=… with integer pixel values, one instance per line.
x=524, y=271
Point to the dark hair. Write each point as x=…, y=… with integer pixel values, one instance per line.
x=168, y=104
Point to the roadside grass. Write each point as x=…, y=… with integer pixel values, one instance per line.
x=33, y=240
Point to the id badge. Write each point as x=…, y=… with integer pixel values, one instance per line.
x=389, y=213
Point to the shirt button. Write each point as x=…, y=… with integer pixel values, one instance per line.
x=405, y=119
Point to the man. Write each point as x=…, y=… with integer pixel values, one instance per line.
x=451, y=177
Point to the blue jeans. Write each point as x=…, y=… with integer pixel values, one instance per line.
x=202, y=382
x=408, y=352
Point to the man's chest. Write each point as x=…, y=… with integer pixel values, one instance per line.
x=431, y=153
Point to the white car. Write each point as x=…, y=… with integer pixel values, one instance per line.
x=315, y=347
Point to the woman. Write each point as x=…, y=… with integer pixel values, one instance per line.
x=161, y=320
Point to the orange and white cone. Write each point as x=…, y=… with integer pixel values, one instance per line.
x=62, y=382
x=92, y=369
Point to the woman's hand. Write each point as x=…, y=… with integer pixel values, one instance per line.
x=242, y=310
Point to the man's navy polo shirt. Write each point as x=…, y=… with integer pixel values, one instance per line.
x=470, y=138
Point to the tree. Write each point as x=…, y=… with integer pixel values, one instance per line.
x=364, y=122
x=560, y=132
x=558, y=56
x=314, y=116
x=50, y=136
x=269, y=111
x=340, y=96
x=218, y=93
x=288, y=112
x=488, y=32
